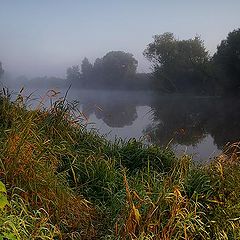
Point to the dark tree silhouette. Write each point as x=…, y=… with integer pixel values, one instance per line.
x=227, y=63
x=179, y=65
x=115, y=68
x=73, y=74
x=86, y=68
x=118, y=63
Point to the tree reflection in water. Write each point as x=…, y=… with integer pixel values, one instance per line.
x=114, y=114
x=186, y=121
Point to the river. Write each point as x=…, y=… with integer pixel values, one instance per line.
x=198, y=126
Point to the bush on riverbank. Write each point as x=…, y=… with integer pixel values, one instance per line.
x=66, y=183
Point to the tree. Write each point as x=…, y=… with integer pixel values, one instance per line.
x=162, y=50
x=73, y=74
x=227, y=62
x=178, y=65
x=86, y=68
x=114, y=70
x=117, y=64
x=1, y=70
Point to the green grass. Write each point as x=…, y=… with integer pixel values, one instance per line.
x=20, y=221
x=64, y=182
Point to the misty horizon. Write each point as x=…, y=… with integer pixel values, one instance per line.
x=44, y=39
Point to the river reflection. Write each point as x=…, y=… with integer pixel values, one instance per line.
x=201, y=126
x=189, y=120
x=114, y=114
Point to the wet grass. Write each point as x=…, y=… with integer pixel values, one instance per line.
x=64, y=182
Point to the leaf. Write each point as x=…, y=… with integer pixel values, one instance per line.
x=3, y=201
x=133, y=221
x=9, y=236
x=2, y=188
x=137, y=215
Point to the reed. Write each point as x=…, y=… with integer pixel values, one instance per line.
x=64, y=182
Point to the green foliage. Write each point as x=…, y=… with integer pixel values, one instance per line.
x=198, y=183
x=20, y=222
x=3, y=196
x=118, y=64
x=179, y=65
x=134, y=156
x=227, y=63
x=97, y=170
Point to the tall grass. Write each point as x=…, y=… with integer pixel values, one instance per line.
x=65, y=182
x=19, y=221
x=188, y=202
x=30, y=152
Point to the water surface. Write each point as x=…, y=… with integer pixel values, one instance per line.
x=200, y=126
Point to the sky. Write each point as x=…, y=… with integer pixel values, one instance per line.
x=44, y=37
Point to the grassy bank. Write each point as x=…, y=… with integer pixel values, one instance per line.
x=63, y=182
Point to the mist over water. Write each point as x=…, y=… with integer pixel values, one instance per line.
x=198, y=126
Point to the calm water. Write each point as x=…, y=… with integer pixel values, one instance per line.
x=200, y=126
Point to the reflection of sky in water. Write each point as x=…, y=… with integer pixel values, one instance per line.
x=203, y=151
x=135, y=130
x=198, y=126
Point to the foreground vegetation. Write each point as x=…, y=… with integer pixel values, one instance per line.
x=59, y=181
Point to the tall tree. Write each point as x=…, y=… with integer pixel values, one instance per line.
x=178, y=65
x=227, y=62
x=118, y=64
x=73, y=74
x=86, y=68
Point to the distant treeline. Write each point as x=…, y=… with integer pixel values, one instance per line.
x=178, y=66
x=115, y=70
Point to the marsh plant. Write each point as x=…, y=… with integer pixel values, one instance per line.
x=60, y=181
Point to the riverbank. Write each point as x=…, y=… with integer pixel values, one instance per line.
x=64, y=182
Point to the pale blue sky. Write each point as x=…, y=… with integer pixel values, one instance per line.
x=44, y=37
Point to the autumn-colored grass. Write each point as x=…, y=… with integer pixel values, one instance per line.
x=31, y=149
x=64, y=182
